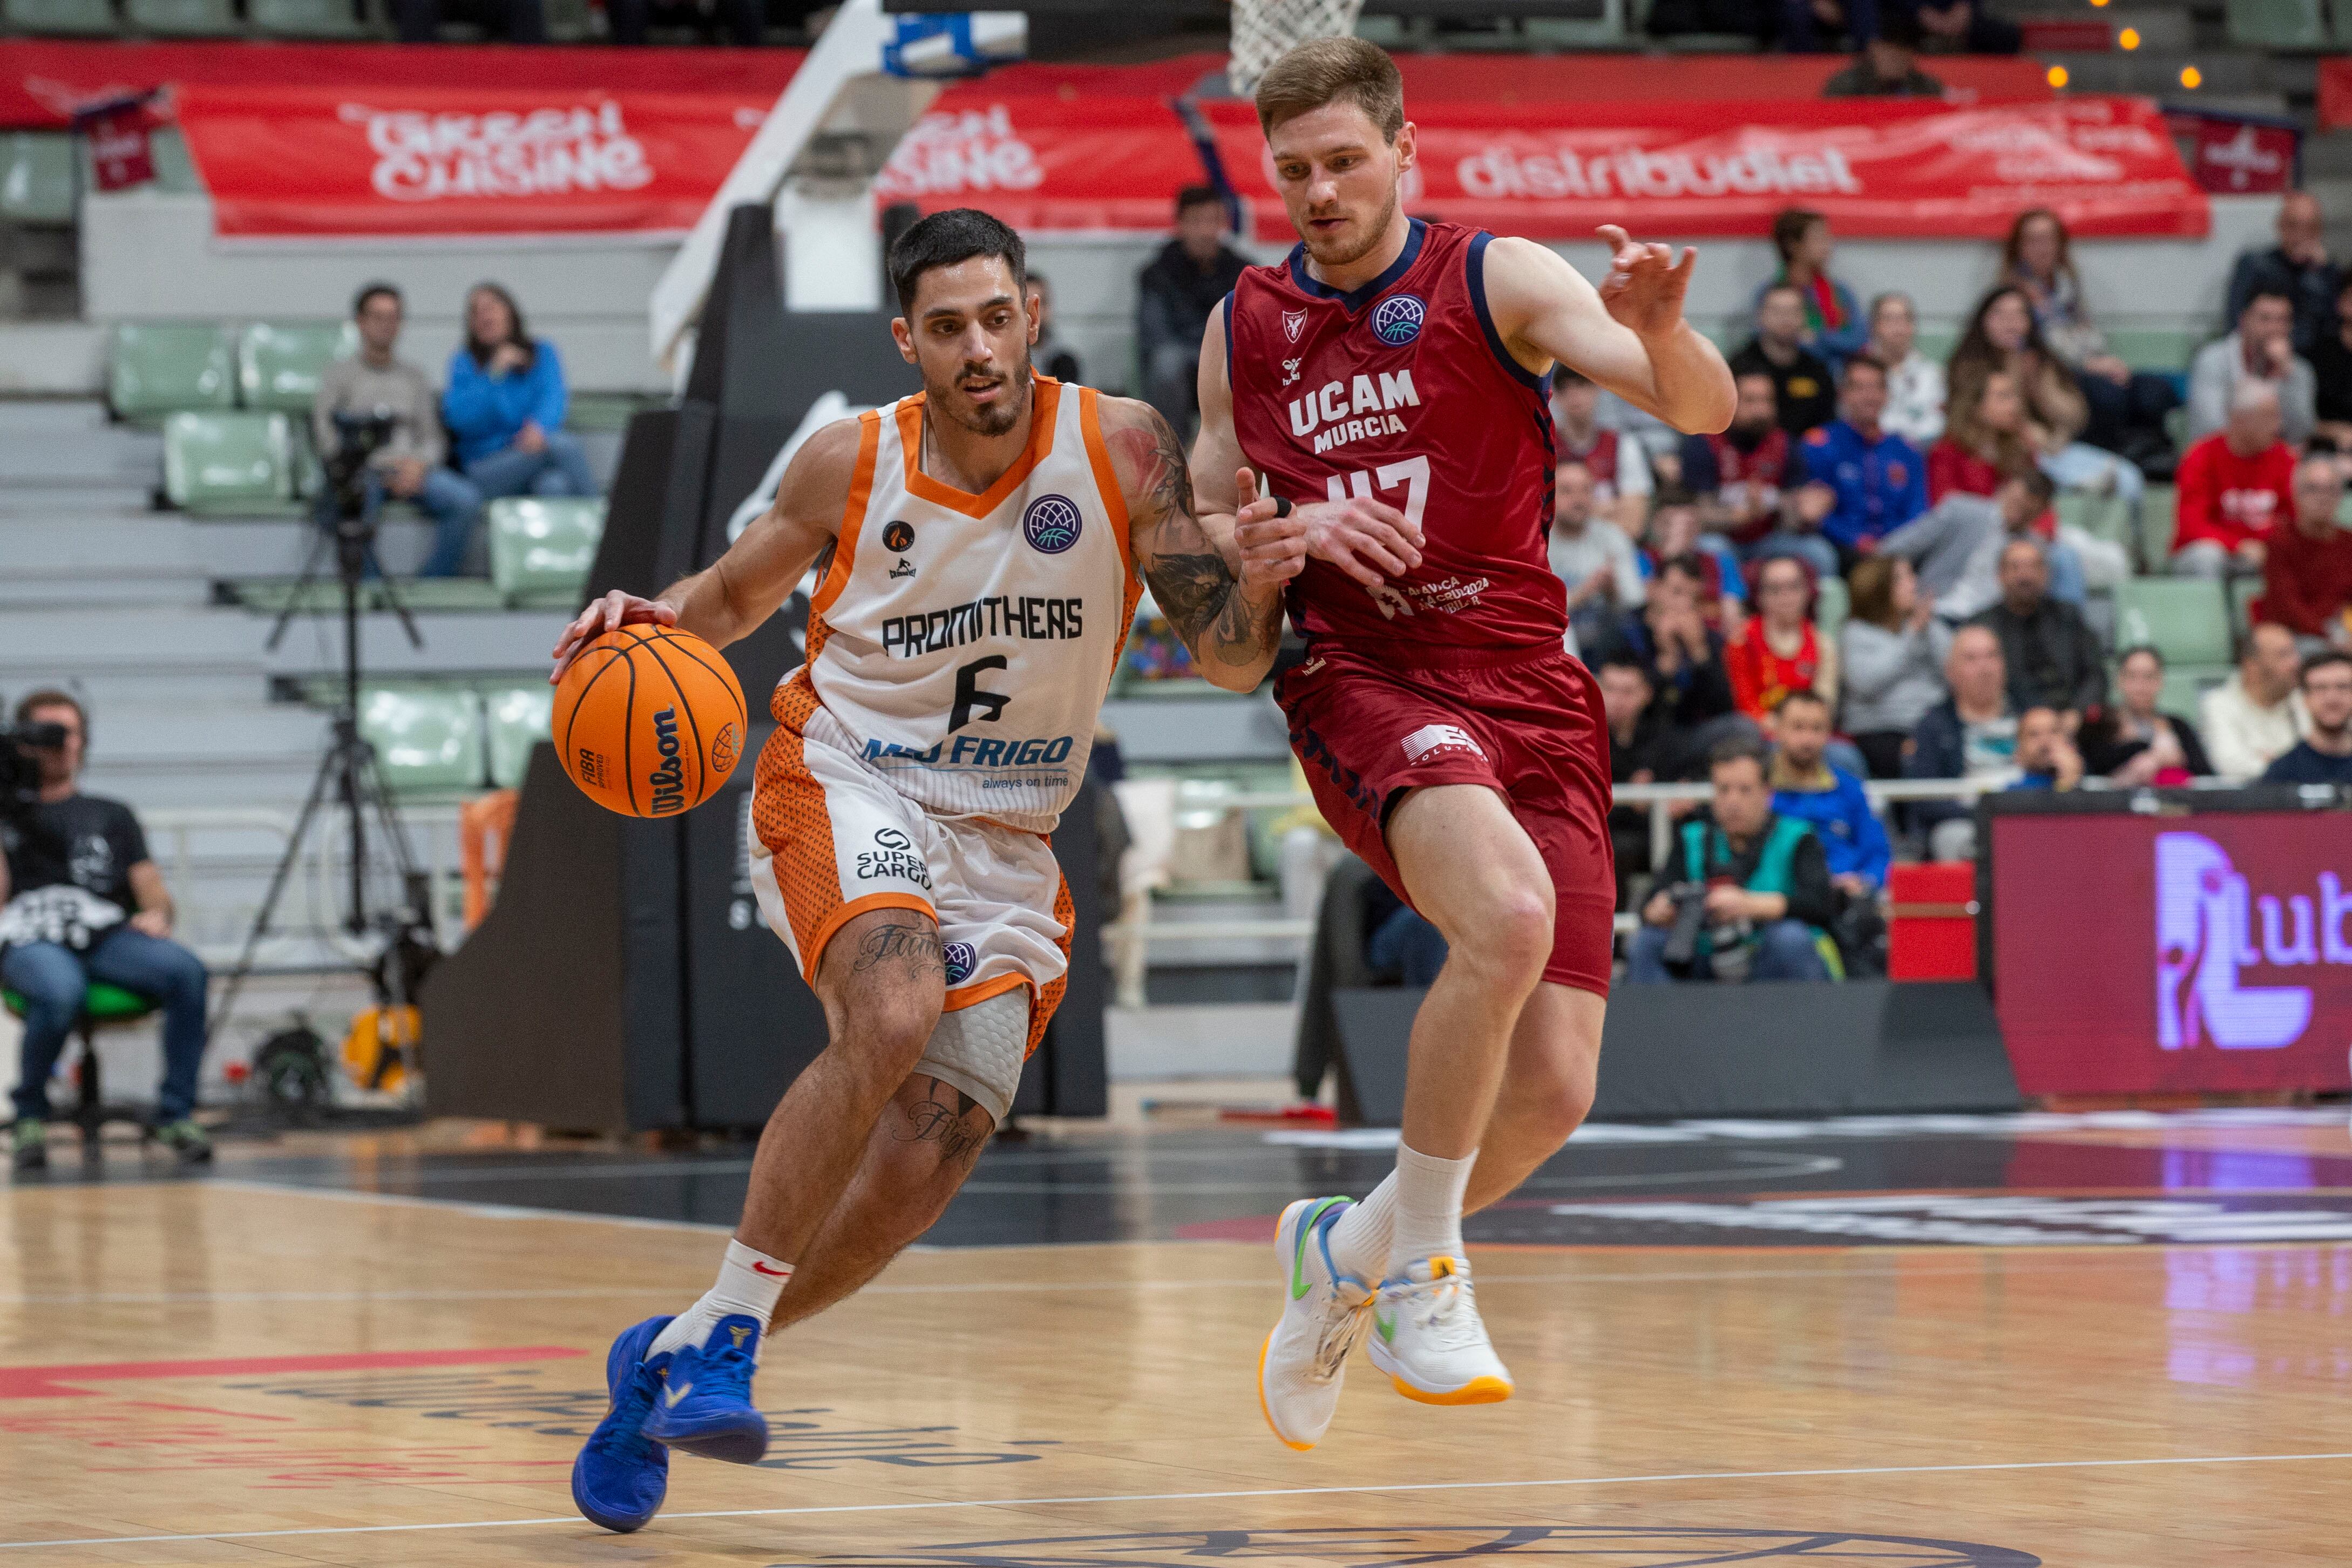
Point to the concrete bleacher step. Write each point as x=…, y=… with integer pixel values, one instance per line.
x=51, y=501
x=517, y=641
x=121, y=638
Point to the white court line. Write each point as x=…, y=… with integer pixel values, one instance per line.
x=1206, y=1496
x=460, y=1205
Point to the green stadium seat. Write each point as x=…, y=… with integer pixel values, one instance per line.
x=2184, y=690
x=1937, y=342
x=2185, y=619
x=72, y=18
x=160, y=367
x=230, y=462
x=2101, y=516
x=308, y=19
x=2158, y=515
x=182, y=18
x=36, y=177
x=542, y=549
x=2161, y=348
x=519, y=718
x=569, y=22
x=425, y=737
x=1831, y=607
x=278, y=362
x=2276, y=24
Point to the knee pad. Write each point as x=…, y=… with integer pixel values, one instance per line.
x=981, y=1050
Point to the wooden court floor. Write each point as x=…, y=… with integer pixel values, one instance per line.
x=236, y=1372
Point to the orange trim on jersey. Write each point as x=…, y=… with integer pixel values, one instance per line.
x=1114, y=500
x=979, y=991
x=814, y=954
x=1049, y=996
x=852, y=515
x=1045, y=400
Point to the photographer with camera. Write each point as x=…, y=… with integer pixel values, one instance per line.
x=378, y=428
x=1745, y=893
x=81, y=900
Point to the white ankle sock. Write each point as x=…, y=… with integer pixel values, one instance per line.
x=1428, y=1207
x=748, y=1284
x=1360, y=1236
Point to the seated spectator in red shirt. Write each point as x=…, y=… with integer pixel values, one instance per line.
x=2307, y=575
x=1780, y=649
x=2233, y=486
x=1984, y=438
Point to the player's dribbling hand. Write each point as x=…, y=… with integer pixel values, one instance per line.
x=616, y=609
x=1370, y=541
x=1274, y=549
x=1645, y=283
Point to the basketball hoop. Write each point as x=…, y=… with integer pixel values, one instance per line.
x=1264, y=30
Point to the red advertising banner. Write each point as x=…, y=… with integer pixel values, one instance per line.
x=2232, y=156
x=43, y=81
x=1882, y=169
x=121, y=151
x=473, y=160
x=2335, y=92
x=2139, y=955
x=1045, y=161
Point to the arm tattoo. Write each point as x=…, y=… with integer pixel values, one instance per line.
x=1193, y=583
x=916, y=947
x=941, y=1117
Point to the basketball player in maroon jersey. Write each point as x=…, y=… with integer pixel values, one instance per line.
x=1387, y=380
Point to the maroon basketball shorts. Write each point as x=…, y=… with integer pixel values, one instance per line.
x=1526, y=724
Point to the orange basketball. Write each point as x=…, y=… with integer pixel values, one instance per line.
x=649, y=720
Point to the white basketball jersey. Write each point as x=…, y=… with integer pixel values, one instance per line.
x=962, y=644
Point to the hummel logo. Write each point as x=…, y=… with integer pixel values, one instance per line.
x=1290, y=370
x=670, y=1396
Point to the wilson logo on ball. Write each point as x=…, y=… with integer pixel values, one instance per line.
x=668, y=779
x=1052, y=524
x=1396, y=320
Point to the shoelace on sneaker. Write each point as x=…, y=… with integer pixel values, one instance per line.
x=729, y=1366
x=1433, y=1305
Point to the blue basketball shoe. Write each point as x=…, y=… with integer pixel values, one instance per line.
x=621, y=1477
x=705, y=1404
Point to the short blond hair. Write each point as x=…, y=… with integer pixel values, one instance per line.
x=1333, y=70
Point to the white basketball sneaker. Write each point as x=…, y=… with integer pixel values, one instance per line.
x=1303, y=1360
x=1427, y=1336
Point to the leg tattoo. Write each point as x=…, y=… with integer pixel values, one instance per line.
x=914, y=947
x=940, y=1117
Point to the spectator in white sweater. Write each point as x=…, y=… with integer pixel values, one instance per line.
x=2257, y=714
x=1915, y=383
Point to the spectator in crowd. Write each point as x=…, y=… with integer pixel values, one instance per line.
x=1808, y=785
x=2002, y=336
x=81, y=900
x=1742, y=475
x=1763, y=878
x=1834, y=328
x=1593, y=557
x=515, y=21
x=1983, y=440
x=1915, y=383
x=1049, y=353
x=2261, y=352
x=505, y=407
x=2126, y=406
x=1682, y=656
x=2298, y=267
x=2232, y=487
x=2046, y=758
x=2307, y=573
x=1191, y=275
x=1961, y=28
x=1891, y=662
x=2132, y=742
x=1957, y=545
x=2324, y=754
x=1971, y=735
x=408, y=465
x=1863, y=481
x=1780, y=649
x=1673, y=533
x=740, y=23
x=2257, y=714
x=2050, y=652
x=1619, y=466
x=1680, y=18
x=1642, y=750
x=2331, y=374
x=1804, y=394
x=1887, y=64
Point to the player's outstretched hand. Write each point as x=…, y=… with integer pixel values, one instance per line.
x=1274, y=548
x=616, y=609
x=1370, y=541
x=1645, y=285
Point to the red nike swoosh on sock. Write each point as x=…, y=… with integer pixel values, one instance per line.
x=778, y=1273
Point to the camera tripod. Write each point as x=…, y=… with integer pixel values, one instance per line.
x=291, y=1066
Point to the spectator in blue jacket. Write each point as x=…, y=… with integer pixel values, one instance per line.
x=1835, y=328
x=505, y=406
x=1805, y=786
x=1863, y=481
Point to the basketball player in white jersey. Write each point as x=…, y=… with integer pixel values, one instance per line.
x=980, y=544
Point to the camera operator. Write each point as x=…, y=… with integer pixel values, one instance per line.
x=80, y=900
x=411, y=462
x=1746, y=893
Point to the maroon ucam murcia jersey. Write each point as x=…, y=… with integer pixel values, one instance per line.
x=1401, y=391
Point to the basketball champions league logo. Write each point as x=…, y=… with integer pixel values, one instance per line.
x=2204, y=937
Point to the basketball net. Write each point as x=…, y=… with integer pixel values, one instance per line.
x=1264, y=30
